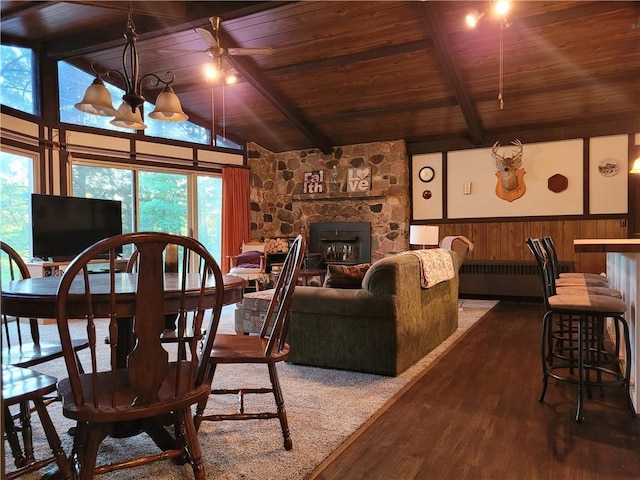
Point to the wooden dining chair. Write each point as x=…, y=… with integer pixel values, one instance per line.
x=268, y=348
x=20, y=347
x=20, y=387
x=159, y=380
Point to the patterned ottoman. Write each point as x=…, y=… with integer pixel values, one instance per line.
x=251, y=310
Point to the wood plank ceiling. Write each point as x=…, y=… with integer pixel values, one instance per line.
x=355, y=72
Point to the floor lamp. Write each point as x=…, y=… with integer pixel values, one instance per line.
x=425, y=235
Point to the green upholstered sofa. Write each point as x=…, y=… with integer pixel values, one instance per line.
x=382, y=328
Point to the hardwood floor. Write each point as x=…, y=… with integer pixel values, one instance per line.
x=475, y=415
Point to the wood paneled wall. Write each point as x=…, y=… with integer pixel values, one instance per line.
x=506, y=240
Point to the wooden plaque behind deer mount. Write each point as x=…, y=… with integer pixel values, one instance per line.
x=510, y=175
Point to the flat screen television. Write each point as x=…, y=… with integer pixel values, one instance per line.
x=62, y=227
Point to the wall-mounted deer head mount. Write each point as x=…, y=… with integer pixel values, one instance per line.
x=510, y=173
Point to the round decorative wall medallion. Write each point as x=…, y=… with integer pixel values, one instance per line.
x=557, y=183
x=426, y=194
x=426, y=174
x=609, y=167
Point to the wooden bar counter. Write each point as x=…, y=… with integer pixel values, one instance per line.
x=623, y=271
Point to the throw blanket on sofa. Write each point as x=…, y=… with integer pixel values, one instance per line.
x=436, y=265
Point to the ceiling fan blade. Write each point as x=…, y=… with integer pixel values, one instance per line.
x=250, y=51
x=207, y=36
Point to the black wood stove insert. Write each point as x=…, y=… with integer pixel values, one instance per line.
x=347, y=243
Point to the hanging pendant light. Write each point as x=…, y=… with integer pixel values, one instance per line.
x=97, y=99
x=168, y=108
x=128, y=118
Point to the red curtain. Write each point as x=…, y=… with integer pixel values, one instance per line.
x=236, y=224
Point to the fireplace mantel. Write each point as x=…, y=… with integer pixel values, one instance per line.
x=309, y=197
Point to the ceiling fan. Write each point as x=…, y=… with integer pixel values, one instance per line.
x=221, y=67
x=216, y=50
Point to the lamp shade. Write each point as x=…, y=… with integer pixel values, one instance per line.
x=424, y=235
x=126, y=118
x=97, y=100
x=636, y=166
x=168, y=108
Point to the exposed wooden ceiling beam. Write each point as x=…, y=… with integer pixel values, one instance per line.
x=245, y=67
x=17, y=9
x=601, y=125
x=148, y=27
x=173, y=10
x=447, y=58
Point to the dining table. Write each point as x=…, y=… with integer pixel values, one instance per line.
x=36, y=298
x=623, y=273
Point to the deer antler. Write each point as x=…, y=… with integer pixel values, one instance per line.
x=518, y=143
x=494, y=151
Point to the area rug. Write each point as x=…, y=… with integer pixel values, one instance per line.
x=324, y=407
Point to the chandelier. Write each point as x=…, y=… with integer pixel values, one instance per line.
x=97, y=99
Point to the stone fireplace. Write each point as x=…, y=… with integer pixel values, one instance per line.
x=282, y=207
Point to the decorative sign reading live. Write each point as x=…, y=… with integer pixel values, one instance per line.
x=314, y=181
x=358, y=179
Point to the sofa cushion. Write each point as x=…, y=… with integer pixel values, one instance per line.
x=345, y=276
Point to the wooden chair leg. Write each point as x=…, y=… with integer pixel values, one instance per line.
x=12, y=437
x=282, y=412
x=191, y=440
x=197, y=420
x=85, y=450
x=53, y=439
x=27, y=433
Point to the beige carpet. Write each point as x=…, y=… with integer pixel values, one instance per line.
x=324, y=407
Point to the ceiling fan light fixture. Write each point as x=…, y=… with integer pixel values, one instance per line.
x=168, y=108
x=501, y=8
x=473, y=18
x=127, y=118
x=231, y=78
x=211, y=71
x=97, y=100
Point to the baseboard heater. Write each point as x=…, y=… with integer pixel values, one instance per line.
x=504, y=278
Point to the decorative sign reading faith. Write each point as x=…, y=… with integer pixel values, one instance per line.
x=358, y=179
x=313, y=181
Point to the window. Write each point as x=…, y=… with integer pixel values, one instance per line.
x=16, y=186
x=108, y=183
x=167, y=201
x=72, y=84
x=17, y=78
x=162, y=202
x=210, y=214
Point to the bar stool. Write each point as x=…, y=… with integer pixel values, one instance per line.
x=569, y=279
x=573, y=347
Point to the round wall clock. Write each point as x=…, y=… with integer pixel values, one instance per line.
x=426, y=174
